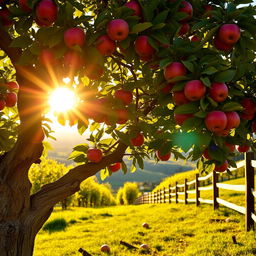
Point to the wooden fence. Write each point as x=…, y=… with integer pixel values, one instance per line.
x=172, y=193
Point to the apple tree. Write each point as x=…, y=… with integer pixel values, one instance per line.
x=153, y=78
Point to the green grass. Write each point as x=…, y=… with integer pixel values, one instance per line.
x=175, y=229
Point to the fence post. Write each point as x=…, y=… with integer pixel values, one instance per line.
x=249, y=184
x=170, y=191
x=158, y=197
x=215, y=190
x=197, y=190
x=185, y=191
x=164, y=195
x=176, y=192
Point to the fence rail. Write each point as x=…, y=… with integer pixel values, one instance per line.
x=171, y=193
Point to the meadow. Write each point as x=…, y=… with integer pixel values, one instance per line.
x=175, y=229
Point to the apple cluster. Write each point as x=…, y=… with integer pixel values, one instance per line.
x=8, y=96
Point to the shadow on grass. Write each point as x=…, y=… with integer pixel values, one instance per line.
x=55, y=225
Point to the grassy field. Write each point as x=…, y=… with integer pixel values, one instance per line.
x=174, y=230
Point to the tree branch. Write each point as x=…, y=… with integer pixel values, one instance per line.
x=67, y=185
x=13, y=53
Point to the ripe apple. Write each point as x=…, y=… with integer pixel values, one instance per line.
x=138, y=140
x=208, y=8
x=206, y=154
x=216, y=121
x=73, y=60
x=105, y=248
x=222, y=167
x=229, y=33
x=233, y=120
x=105, y=45
x=13, y=86
x=165, y=157
x=254, y=126
x=47, y=58
x=243, y=148
x=223, y=133
x=174, y=69
x=181, y=118
x=230, y=147
x=135, y=6
x=94, y=71
x=167, y=88
x=247, y=117
x=124, y=96
x=144, y=247
x=195, y=39
x=118, y=29
x=218, y=92
x=23, y=4
x=219, y=45
x=94, y=155
x=179, y=98
x=248, y=105
x=73, y=37
x=122, y=116
x=2, y=104
x=145, y=225
x=143, y=47
x=184, y=28
x=187, y=8
x=10, y=99
x=194, y=90
x=114, y=167
x=46, y=12
x=5, y=17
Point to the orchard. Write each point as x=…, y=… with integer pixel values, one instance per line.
x=153, y=79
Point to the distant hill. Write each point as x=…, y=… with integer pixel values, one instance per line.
x=152, y=173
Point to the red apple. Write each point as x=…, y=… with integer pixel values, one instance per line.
x=181, y=118
x=105, y=45
x=13, y=86
x=206, y=154
x=179, y=98
x=185, y=27
x=233, y=120
x=248, y=105
x=135, y=6
x=74, y=37
x=167, y=88
x=47, y=58
x=165, y=157
x=218, y=92
x=24, y=6
x=230, y=147
x=10, y=99
x=94, y=155
x=221, y=45
x=247, y=117
x=174, y=69
x=138, y=140
x=254, y=126
x=122, y=116
x=216, y=121
x=73, y=60
x=5, y=17
x=195, y=39
x=222, y=167
x=105, y=248
x=146, y=58
x=208, y=8
x=118, y=29
x=143, y=47
x=124, y=96
x=187, y=8
x=94, y=71
x=243, y=148
x=114, y=167
x=145, y=225
x=223, y=133
x=194, y=90
x=2, y=104
x=229, y=33
x=144, y=247
x=46, y=12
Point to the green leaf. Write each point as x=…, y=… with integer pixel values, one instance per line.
x=133, y=169
x=206, y=81
x=81, y=148
x=189, y=108
x=225, y=76
x=141, y=27
x=232, y=106
x=189, y=65
x=21, y=42
x=104, y=174
x=124, y=167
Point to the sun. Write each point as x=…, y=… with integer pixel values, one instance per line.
x=62, y=99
